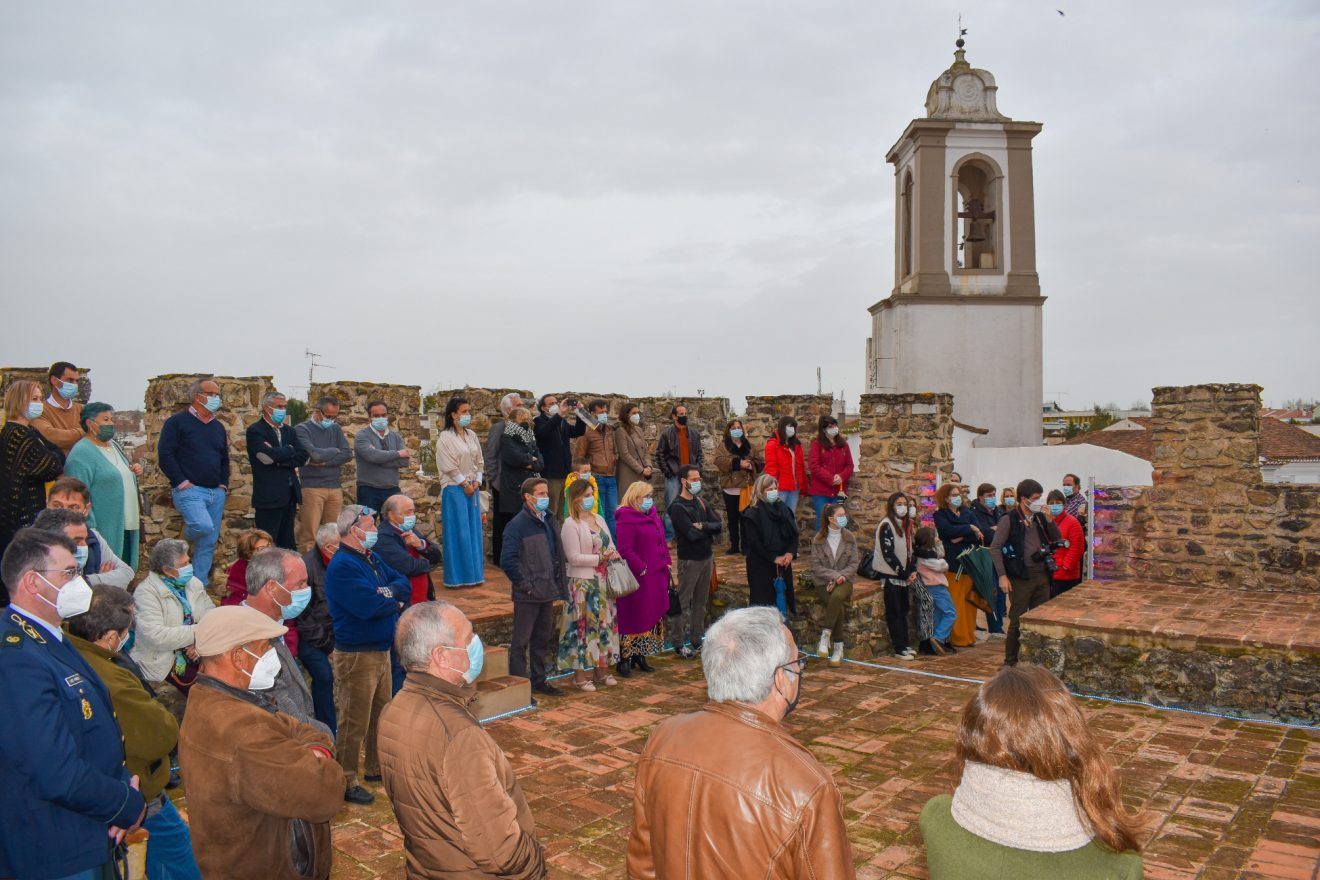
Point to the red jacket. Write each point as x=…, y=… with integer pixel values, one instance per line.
x=786, y=464
x=826, y=461
x=1069, y=559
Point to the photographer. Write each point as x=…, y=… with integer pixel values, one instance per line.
x=1022, y=551
x=1068, y=558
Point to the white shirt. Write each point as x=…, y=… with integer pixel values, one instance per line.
x=832, y=538
x=59, y=402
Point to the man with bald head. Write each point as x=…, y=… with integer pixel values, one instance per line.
x=457, y=800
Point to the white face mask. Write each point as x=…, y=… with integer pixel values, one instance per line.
x=789, y=430
x=831, y=431
x=635, y=418
x=1036, y=506
x=263, y=674
x=72, y=599
x=900, y=511
x=553, y=410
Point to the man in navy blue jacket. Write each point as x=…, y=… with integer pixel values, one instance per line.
x=194, y=454
x=275, y=455
x=364, y=596
x=67, y=797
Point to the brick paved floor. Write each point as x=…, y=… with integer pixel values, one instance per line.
x=1228, y=799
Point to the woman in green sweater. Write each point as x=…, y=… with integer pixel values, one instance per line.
x=1038, y=799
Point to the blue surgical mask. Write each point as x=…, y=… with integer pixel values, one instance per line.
x=736, y=434
x=212, y=403
x=840, y=521
x=476, y=652
x=1056, y=509
x=408, y=522
x=369, y=539
x=695, y=487
x=327, y=423
x=277, y=415
x=464, y=420
x=589, y=502
x=298, y=604
x=991, y=502
x=1010, y=501
x=380, y=424
x=603, y=418
x=184, y=577
x=955, y=501
x=68, y=390
x=80, y=555
x=543, y=504
x=1067, y=491
x=647, y=504
x=772, y=495
x=34, y=410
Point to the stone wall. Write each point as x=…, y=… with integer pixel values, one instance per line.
x=167, y=395
x=905, y=440
x=1209, y=518
x=404, y=402
x=40, y=375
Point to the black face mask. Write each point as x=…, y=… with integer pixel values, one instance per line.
x=682, y=420
x=793, y=703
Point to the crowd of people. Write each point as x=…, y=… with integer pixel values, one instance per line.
x=329, y=655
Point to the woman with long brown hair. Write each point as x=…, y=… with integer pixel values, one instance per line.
x=834, y=558
x=590, y=640
x=1038, y=797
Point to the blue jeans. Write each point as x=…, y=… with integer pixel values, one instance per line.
x=672, y=489
x=944, y=612
x=317, y=663
x=202, y=510
x=790, y=499
x=820, y=502
x=169, y=851
x=608, y=487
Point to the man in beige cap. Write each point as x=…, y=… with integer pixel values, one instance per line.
x=262, y=787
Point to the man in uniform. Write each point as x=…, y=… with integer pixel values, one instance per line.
x=68, y=797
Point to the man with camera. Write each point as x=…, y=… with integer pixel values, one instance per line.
x=1022, y=551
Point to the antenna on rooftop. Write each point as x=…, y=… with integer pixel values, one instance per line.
x=312, y=364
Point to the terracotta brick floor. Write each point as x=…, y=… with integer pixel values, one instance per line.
x=1228, y=799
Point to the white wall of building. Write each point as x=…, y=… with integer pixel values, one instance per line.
x=1292, y=472
x=923, y=347
x=1047, y=465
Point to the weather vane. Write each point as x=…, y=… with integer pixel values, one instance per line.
x=962, y=32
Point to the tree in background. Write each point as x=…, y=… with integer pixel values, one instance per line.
x=297, y=411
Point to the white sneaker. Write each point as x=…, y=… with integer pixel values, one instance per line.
x=905, y=656
x=836, y=659
x=909, y=653
x=823, y=647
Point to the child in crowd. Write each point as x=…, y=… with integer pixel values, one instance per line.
x=931, y=568
x=581, y=471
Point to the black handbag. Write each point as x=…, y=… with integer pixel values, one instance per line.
x=866, y=569
x=675, y=606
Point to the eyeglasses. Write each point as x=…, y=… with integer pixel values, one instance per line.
x=71, y=573
x=800, y=662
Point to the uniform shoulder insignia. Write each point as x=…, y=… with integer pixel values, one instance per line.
x=13, y=640
x=27, y=628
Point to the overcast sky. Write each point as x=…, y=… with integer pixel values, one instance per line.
x=636, y=197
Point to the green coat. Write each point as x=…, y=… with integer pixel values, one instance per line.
x=150, y=731
x=954, y=852
x=87, y=463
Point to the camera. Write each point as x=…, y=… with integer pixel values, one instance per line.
x=1046, y=554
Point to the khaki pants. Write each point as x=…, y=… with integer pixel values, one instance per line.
x=319, y=506
x=362, y=688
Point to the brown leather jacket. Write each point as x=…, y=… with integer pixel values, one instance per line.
x=460, y=807
x=726, y=792
x=597, y=447
x=260, y=797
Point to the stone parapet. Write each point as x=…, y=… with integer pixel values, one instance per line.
x=40, y=375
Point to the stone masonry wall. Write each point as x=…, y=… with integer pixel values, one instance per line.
x=167, y=395
x=404, y=402
x=1209, y=518
x=10, y=375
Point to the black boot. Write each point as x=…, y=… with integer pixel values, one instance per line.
x=639, y=662
x=624, y=667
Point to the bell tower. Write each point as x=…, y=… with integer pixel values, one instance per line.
x=964, y=314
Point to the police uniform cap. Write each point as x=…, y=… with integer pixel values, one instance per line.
x=229, y=626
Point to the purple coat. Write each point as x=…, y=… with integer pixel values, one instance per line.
x=641, y=542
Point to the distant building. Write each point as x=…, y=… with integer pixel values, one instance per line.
x=1288, y=454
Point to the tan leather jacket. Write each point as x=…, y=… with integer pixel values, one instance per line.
x=726, y=792
x=460, y=807
x=597, y=447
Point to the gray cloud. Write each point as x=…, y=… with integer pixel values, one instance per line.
x=679, y=195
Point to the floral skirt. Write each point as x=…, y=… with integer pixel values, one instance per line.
x=591, y=631
x=646, y=643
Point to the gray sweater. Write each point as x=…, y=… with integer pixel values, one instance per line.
x=378, y=461
x=327, y=453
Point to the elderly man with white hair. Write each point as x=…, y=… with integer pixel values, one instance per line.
x=491, y=456
x=726, y=791
x=454, y=793
x=275, y=455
